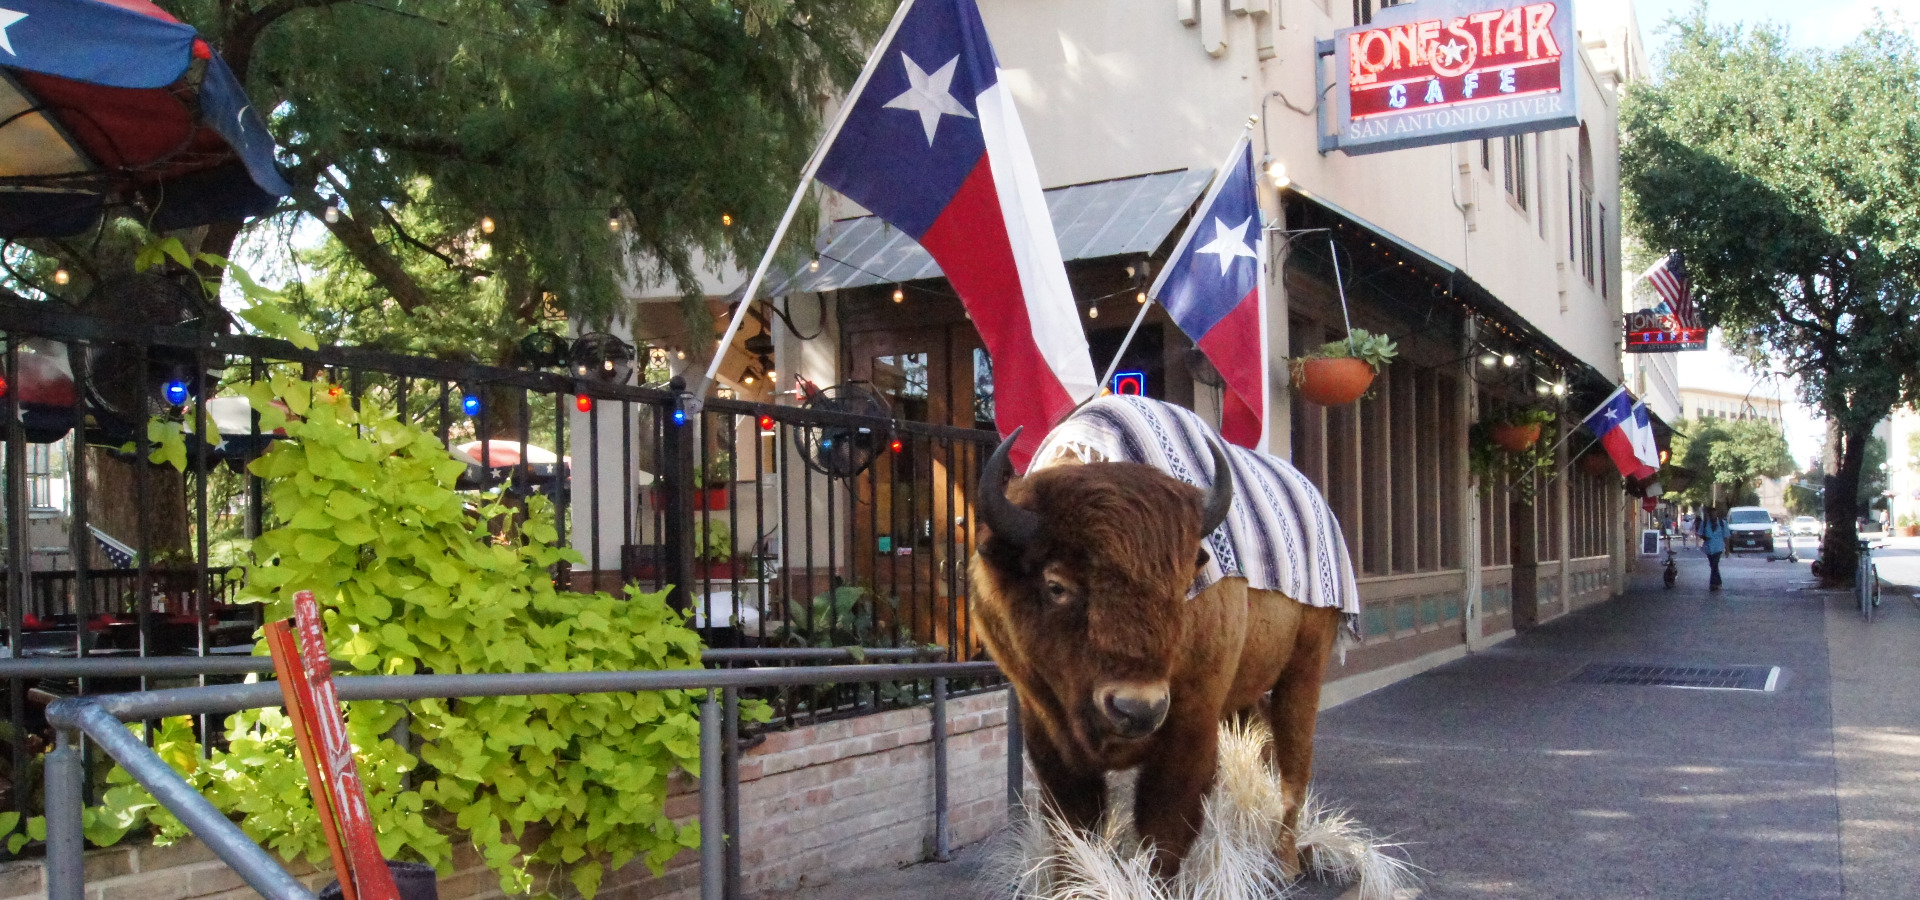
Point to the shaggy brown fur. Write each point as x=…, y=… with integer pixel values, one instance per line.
x=1098, y=600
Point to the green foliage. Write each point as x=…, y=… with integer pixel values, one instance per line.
x=1730, y=453
x=268, y=312
x=717, y=473
x=712, y=541
x=1522, y=471
x=1873, y=473
x=1786, y=177
x=545, y=117
x=843, y=616
x=414, y=579
x=1375, y=350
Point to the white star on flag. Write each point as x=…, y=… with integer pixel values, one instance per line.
x=929, y=95
x=1229, y=243
x=7, y=18
x=1613, y=413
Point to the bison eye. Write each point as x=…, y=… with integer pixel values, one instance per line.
x=1058, y=592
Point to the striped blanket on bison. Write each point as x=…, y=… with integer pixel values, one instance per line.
x=1280, y=535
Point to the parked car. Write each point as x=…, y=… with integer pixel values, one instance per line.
x=1751, y=528
x=1806, y=525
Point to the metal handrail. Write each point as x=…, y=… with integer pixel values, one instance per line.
x=101, y=718
x=184, y=666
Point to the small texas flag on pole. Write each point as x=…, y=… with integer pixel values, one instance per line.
x=932, y=145
x=1621, y=426
x=1215, y=286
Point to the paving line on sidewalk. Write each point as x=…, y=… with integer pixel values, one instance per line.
x=1574, y=753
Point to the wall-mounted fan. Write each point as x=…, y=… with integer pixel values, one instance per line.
x=841, y=451
x=115, y=379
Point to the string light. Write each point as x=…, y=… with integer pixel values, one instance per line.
x=1277, y=173
x=331, y=215
x=1140, y=298
x=766, y=424
x=61, y=275
x=1508, y=360
x=899, y=296
x=1093, y=312
x=175, y=390
x=486, y=225
x=613, y=220
x=771, y=374
x=680, y=354
x=470, y=403
x=813, y=265
x=726, y=220
x=749, y=377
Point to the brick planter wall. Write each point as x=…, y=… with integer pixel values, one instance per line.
x=816, y=804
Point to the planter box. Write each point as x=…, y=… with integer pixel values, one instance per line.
x=704, y=499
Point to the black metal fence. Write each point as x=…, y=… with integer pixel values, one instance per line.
x=773, y=525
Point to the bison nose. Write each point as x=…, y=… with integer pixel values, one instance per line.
x=1133, y=710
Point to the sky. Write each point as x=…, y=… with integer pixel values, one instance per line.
x=1825, y=24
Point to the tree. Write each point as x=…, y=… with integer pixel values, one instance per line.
x=1873, y=476
x=1731, y=454
x=685, y=122
x=1786, y=178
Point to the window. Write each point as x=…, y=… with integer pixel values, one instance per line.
x=40, y=476
x=1586, y=205
x=1601, y=228
x=1515, y=150
x=1571, y=256
x=1363, y=9
x=1486, y=154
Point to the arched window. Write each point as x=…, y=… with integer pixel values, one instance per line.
x=1587, y=215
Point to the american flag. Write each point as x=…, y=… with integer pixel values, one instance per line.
x=1669, y=277
x=120, y=555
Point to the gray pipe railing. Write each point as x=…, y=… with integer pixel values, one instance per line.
x=186, y=666
x=102, y=719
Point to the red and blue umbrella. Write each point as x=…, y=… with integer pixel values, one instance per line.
x=116, y=102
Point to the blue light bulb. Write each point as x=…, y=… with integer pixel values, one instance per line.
x=679, y=416
x=470, y=404
x=175, y=391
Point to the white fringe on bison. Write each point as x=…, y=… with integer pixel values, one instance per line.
x=1140, y=586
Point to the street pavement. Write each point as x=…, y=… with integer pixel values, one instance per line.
x=1506, y=780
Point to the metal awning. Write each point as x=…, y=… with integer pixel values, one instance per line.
x=1124, y=216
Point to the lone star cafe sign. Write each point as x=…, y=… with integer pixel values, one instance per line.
x=1441, y=71
x=1652, y=332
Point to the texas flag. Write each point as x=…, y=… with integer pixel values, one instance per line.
x=933, y=146
x=1215, y=289
x=1616, y=424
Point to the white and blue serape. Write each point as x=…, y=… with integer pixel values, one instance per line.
x=1279, y=536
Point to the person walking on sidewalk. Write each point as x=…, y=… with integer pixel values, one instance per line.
x=1712, y=528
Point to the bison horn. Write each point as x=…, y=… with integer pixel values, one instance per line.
x=1010, y=523
x=1220, y=496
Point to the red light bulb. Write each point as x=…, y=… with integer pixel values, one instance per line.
x=583, y=403
x=895, y=446
x=766, y=423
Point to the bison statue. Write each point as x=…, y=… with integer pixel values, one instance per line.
x=1139, y=585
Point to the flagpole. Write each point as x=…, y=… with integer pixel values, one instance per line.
x=1178, y=249
x=799, y=194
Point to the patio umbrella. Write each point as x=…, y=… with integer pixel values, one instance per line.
x=115, y=101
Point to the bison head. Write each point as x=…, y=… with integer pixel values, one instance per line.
x=1082, y=579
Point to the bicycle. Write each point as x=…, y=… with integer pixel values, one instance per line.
x=1866, y=582
x=1671, y=571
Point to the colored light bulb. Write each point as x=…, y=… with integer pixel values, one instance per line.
x=470, y=404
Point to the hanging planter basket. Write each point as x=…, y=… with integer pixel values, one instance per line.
x=1515, y=438
x=1333, y=382
x=1596, y=464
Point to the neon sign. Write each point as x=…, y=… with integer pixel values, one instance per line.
x=1651, y=332
x=1132, y=384
x=1441, y=71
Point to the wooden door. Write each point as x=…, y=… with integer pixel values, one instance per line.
x=910, y=539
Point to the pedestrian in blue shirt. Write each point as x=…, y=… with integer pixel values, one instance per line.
x=1712, y=528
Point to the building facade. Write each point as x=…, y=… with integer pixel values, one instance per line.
x=1495, y=265
x=1700, y=403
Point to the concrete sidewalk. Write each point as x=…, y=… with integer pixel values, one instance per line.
x=1509, y=781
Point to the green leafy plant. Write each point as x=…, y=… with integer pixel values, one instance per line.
x=1375, y=350
x=712, y=541
x=1489, y=462
x=366, y=516
x=717, y=473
